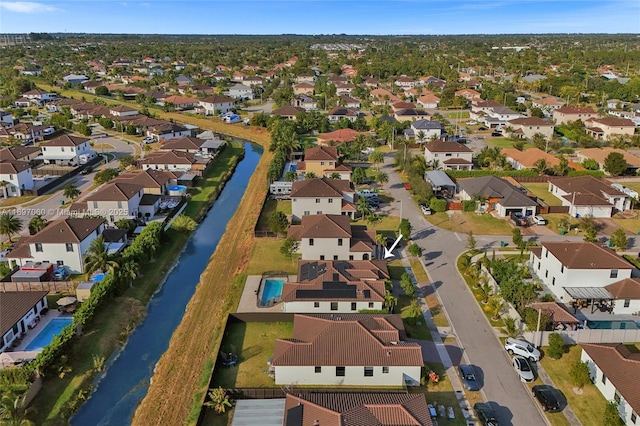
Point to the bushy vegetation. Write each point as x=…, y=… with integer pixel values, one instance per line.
x=556, y=346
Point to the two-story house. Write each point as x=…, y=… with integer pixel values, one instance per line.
x=193, y=145
x=349, y=102
x=332, y=237
x=405, y=82
x=287, y=112
x=588, y=196
x=337, y=113
x=567, y=267
x=625, y=295
x=338, y=286
x=153, y=181
x=217, y=104
x=526, y=127
x=303, y=89
x=501, y=196
x=115, y=201
x=449, y=155
x=174, y=161
x=65, y=150
x=63, y=242
x=166, y=130
x=424, y=130
x=39, y=97
x=468, y=94
x=19, y=311
x=322, y=196
x=606, y=128
x=15, y=177
x=305, y=102
x=547, y=105
x=570, y=113
x=122, y=111
x=428, y=101
x=380, y=96
x=323, y=161
x=240, y=91
x=316, y=353
x=600, y=154
x=615, y=370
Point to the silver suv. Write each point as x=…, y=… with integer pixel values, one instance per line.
x=522, y=348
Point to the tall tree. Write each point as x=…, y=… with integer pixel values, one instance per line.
x=615, y=164
x=37, y=224
x=70, y=191
x=97, y=258
x=10, y=224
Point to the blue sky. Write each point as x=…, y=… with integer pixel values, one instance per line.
x=322, y=17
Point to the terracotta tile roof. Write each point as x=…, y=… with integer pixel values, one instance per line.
x=13, y=166
x=188, y=142
x=494, y=187
x=17, y=152
x=548, y=101
x=320, y=153
x=403, y=105
x=457, y=161
x=357, y=409
x=429, y=98
x=620, y=366
x=586, y=185
x=343, y=111
x=558, y=313
x=169, y=157
x=217, y=99
x=303, y=85
x=287, y=110
x=629, y=288
x=321, y=226
x=439, y=145
x=338, y=280
x=66, y=140
x=583, y=255
x=122, y=108
x=320, y=187
x=587, y=200
x=341, y=135
x=116, y=191
x=319, y=340
x=612, y=121
x=69, y=230
x=574, y=110
x=181, y=100
x=14, y=305
x=147, y=178
x=529, y=156
x=531, y=121
x=487, y=104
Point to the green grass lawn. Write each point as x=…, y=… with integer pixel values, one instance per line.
x=253, y=342
x=504, y=143
x=477, y=294
x=439, y=318
x=388, y=225
x=457, y=114
x=396, y=269
x=464, y=222
x=271, y=205
x=589, y=406
x=541, y=190
x=631, y=225
x=415, y=326
x=442, y=393
x=266, y=256
x=554, y=218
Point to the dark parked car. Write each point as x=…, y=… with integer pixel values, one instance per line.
x=468, y=376
x=482, y=128
x=87, y=170
x=546, y=395
x=496, y=134
x=519, y=219
x=485, y=414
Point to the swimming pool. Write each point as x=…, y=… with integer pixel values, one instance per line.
x=47, y=334
x=292, y=168
x=271, y=291
x=612, y=325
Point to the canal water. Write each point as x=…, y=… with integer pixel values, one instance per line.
x=127, y=378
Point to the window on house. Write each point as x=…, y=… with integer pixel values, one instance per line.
x=561, y=269
x=350, y=257
x=318, y=369
x=306, y=213
x=616, y=397
x=627, y=302
x=546, y=253
x=340, y=371
x=614, y=273
x=316, y=304
x=339, y=242
x=38, y=247
x=322, y=257
x=370, y=305
x=60, y=262
x=330, y=201
x=634, y=417
x=553, y=281
x=95, y=204
x=322, y=163
x=385, y=370
x=538, y=266
x=368, y=372
x=604, y=379
x=319, y=212
x=69, y=247
x=335, y=257
x=310, y=241
x=334, y=306
x=317, y=200
x=365, y=256
x=119, y=204
x=546, y=273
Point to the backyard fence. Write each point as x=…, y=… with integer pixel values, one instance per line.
x=51, y=286
x=585, y=336
x=54, y=183
x=454, y=206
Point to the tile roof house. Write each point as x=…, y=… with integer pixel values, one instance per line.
x=587, y=195
x=19, y=309
x=526, y=127
x=547, y=105
x=468, y=94
x=287, y=112
x=337, y=286
x=425, y=128
x=527, y=159
x=305, y=102
x=410, y=114
x=175, y=161
x=316, y=354
x=115, y=201
x=344, y=89
x=304, y=89
x=615, y=370
x=501, y=196
x=381, y=96
x=152, y=181
x=193, y=145
x=65, y=150
x=322, y=196
x=356, y=409
x=626, y=296
x=217, y=104
x=337, y=113
x=405, y=82
x=349, y=102
x=164, y=130
x=20, y=153
x=600, y=154
x=449, y=155
x=182, y=102
x=570, y=113
x=323, y=161
x=15, y=176
x=332, y=237
x=567, y=267
x=62, y=242
x=337, y=136
x=606, y=128
x=429, y=101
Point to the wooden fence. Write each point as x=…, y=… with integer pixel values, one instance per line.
x=51, y=286
x=454, y=206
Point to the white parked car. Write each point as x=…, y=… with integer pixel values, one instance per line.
x=524, y=369
x=148, y=139
x=472, y=123
x=425, y=209
x=539, y=220
x=522, y=348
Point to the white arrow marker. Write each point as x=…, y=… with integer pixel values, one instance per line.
x=387, y=252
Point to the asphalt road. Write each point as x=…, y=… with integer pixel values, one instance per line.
x=441, y=248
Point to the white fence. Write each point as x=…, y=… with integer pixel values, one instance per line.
x=584, y=336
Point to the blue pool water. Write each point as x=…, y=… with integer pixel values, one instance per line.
x=97, y=278
x=272, y=290
x=47, y=334
x=178, y=188
x=613, y=325
x=292, y=168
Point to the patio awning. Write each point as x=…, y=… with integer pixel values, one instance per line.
x=264, y=412
x=588, y=293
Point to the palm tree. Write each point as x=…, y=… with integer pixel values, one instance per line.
x=363, y=207
x=485, y=289
x=310, y=175
x=435, y=164
x=420, y=136
x=97, y=258
x=414, y=311
x=465, y=263
x=335, y=175
x=129, y=269
x=10, y=224
x=381, y=240
x=496, y=303
x=290, y=176
x=541, y=166
x=11, y=412
x=376, y=157
x=382, y=177
x=510, y=328
x=219, y=400
x=390, y=301
x=70, y=191
x=37, y=224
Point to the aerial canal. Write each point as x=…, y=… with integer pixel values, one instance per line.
x=127, y=378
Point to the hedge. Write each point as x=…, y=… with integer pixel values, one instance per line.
x=594, y=173
x=469, y=205
x=438, y=205
x=457, y=174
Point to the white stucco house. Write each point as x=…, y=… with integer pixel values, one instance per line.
x=240, y=91
x=322, y=196
x=63, y=242
x=615, y=370
x=16, y=177
x=115, y=201
x=427, y=129
x=501, y=196
x=217, y=104
x=19, y=311
x=332, y=237
x=321, y=352
x=65, y=150
x=337, y=286
x=587, y=195
x=448, y=155
x=625, y=295
x=567, y=268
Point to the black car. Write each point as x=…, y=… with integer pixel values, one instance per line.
x=485, y=414
x=546, y=395
x=468, y=376
x=496, y=134
x=482, y=128
x=86, y=170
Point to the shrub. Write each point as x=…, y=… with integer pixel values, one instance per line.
x=438, y=205
x=469, y=205
x=580, y=374
x=556, y=346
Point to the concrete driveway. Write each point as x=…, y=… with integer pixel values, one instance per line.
x=477, y=339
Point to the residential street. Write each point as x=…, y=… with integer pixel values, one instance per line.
x=478, y=342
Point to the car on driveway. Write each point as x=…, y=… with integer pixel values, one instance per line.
x=468, y=377
x=523, y=368
x=148, y=139
x=496, y=134
x=519, y=219
x=539, y=220
x=482, y=128
x=485, y=414
x=546, y=396
x=471, y=123
x=522, y=348
x=426, y=210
